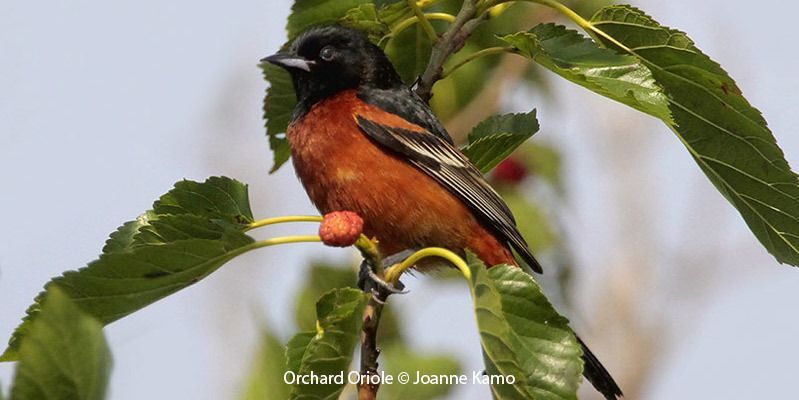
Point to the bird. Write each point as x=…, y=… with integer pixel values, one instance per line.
x=361, y=140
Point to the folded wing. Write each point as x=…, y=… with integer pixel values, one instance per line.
x=439, y=159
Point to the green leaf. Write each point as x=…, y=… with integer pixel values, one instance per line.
x=523, y=336
x=496, y=137
x=308, y=13
x=726, y=135
x=65, y=356
x=329, y=349
x=376, y=20
x=402, y=358
x=265, y=381
x=193, y=230
x=366, y=18
x=323, y=278
x=216, y=198
x=174, y=228
x=409, y=51
x=569, y=54
x=122, y=239
x=295, y=350
x=393, y=12
x=279, y=103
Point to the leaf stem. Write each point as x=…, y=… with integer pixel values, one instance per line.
x=283, y=240
x=481, y=53
x=271, y=242
x=586, y=25
x=426, y=3
x=393, y=274
x=279, y=220
x=407, y=23
x=426, y=26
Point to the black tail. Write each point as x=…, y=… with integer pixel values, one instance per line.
x=599, y=377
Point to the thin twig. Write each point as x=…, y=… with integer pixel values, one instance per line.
x=423, y=22
x=451, y=41
x=481, y=53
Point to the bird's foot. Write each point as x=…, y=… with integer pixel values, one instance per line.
x=368, y=281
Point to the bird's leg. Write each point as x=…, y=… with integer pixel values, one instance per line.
x=369, y=281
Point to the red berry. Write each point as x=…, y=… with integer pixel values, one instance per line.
x=510, y=171
x=340, y=228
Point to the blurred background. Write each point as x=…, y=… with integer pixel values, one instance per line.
x=105, y=105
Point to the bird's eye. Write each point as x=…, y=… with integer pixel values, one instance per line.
x=327, y=53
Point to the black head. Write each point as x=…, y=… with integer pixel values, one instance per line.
x=327, y=60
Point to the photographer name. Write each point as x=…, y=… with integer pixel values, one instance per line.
x=382, y=378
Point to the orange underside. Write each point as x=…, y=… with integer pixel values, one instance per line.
x=342, y=169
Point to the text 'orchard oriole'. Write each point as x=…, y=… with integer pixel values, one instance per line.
x=362, y=141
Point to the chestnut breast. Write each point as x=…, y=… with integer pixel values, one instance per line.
x=343, y=169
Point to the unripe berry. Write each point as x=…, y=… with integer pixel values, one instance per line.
x=340, y=228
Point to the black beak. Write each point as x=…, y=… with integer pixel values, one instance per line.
x=289, y=62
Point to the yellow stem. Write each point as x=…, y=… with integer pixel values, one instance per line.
x=498, y=10
x=426, y=26
x=284, y=240
x=272, y=242
x=586, y=25
x=481, y=53
x=407, y=23
x=393, y=274
x=319, y=330
x=280, y=220
x=425, y=3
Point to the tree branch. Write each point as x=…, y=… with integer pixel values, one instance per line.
x=367, y=389
x=451, y=41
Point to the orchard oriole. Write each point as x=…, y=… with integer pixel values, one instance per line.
x=362, y=141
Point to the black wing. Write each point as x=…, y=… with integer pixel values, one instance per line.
x=438, y=158
x=404, y=102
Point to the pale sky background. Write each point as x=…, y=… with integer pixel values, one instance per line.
x=105, y=104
